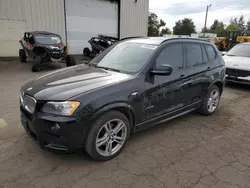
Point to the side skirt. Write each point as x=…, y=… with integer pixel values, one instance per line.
x=167, y=117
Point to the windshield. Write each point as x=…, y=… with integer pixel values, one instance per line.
x=242, y=50
x=48, y=39
x=127, y=57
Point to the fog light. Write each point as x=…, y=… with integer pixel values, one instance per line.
x=56, y=127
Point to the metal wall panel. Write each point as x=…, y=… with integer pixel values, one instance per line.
x=134, y=18
x=45, y=15
x=88, y=18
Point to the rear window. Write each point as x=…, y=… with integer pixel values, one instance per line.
x=210, y=52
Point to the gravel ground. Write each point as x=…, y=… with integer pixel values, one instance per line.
x=191, y=151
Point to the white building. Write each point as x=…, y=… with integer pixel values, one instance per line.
x=75, y=20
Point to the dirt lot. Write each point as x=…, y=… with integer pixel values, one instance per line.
x=192, y=151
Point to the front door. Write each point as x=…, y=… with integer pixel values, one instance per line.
x=163, y=93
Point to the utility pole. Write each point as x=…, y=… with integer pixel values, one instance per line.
x=205, y=27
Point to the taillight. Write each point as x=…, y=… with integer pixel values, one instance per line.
x=30, y=46
x=61, y=45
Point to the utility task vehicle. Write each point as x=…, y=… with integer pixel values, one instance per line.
x=99, y=44
x=44, y=47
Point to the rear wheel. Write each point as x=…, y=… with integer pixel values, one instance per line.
x=86, y=52
x=70, y=61
x=107, y=136
x=211, y=102
x=22, y=56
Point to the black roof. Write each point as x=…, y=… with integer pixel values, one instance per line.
x=160, y=40
x=41, y=33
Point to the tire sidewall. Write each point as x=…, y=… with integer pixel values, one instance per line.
x=204, y=106
x=22, y=56
x=86, y=52
x=90, y=142
x=70, y=61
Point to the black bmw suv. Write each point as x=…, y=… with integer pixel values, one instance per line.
x=132, y=85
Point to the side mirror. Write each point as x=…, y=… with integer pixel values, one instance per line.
x=162, y=70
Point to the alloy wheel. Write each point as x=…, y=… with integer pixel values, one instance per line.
x=111, y=137
x=213, y=100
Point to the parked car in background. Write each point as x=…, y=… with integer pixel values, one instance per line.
x=131, y=86
x=44, y=47
x=238, y=63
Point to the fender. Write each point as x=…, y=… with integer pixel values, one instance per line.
x=218, y=81
x=108, y=107
x=112, y=106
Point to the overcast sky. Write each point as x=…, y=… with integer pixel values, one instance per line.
x=172, y=11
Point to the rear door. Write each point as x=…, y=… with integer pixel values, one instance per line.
x=197, y=71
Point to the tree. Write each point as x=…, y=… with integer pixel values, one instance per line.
x=248, y=27
x=241, y=23
x=233, y=21
x=154, y=25
x=218, y=28
x=232, y=28
x=165, y=31
x=184, y=27
x=214, y=25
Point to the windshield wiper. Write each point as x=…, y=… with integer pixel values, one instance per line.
x=107, y=68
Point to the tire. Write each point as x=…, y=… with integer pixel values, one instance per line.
x=204, y=109
x=37, y=65
x=86, y=52
x=22, y=56
x=98, y=129
x=70, y=61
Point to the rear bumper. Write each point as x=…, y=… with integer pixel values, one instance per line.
x=43, y=129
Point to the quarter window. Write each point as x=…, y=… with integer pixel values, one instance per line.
x=210, y=52
x=172, y=55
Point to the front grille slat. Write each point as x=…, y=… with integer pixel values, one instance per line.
x=56, y=54
x=237, y=72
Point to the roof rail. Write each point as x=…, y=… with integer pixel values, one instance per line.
x=132, y=38
x=188, y=38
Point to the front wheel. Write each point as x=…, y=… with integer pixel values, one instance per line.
x=86, y=52
x=70, y=61
x=211, y=102
x=108, y=136
x=37, y=64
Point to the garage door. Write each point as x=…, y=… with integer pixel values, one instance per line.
x=88, y=18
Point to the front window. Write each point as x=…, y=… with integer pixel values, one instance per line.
x=43, y=39
x=242, y=50
x=127, y=57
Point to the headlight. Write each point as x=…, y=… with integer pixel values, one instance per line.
x=66, y=108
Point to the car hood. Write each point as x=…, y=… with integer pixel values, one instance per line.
x=237, y=62
x=69, y=82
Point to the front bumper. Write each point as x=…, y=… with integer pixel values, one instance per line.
x=238, y=75
x=241, y=80
x=41, y=128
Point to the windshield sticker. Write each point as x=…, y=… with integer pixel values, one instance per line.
x=152, y=47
